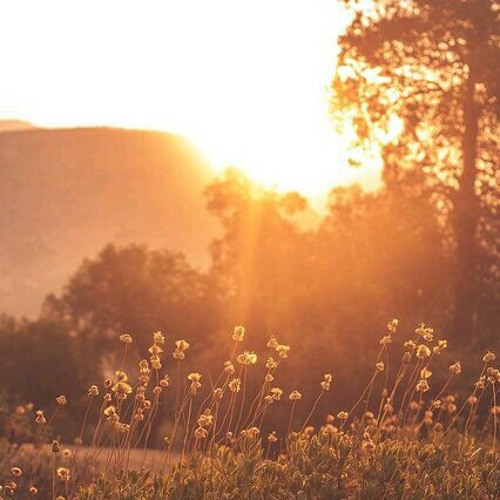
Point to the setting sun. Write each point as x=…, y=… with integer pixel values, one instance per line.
x=246, y=82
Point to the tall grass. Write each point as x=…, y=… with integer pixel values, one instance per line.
x=394, y=442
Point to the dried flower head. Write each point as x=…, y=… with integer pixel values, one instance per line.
x=295, y=396
x=61, y=400
x=16, y=472
x=200, y=433
x=272, y=437
x=425, y=373
x=422, y=386
x=158, y=338
x=282, y=350
x=423, y=351
x=93, y=391
x=271, y=363
x=342, y=415
x=63, y=473
x=272, y=343
x=182, y=345
x=456, y=368
x=327, y=381
x=229, y=367
x=218, y=394
x=206, y=418
x=238, y=333
x=392, y=326
x=247, y=358
x=40, y=417
x=234, y=385
x=379, y=366
x=489, y=357
x=386, y=340
x=126, y=338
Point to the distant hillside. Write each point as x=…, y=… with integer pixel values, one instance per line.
x=64, y=194
x=10, y=125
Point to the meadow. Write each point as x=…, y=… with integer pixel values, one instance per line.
x=403, y=437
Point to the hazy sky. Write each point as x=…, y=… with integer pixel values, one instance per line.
x=245, y=80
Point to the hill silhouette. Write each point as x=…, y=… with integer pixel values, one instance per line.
x=66, y=193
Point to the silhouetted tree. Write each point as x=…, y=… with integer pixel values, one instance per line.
x=133, y=289
x=434, y=64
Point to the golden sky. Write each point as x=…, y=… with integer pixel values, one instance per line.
x=245, y=80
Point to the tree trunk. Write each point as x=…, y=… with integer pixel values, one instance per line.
x=466, y=219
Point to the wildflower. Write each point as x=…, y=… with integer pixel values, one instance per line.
x=472, y=400
x=442, y=344
x=489, y=356
x=425, y=373
x=55, y=447
x=229, y=367
x=493, y=375
x=33, y=490
x=158, y=338
x=61, y=400
x=126, y=338
x=200, y=433
x=409, y=345
x=247, y=358
x=282, y=350
x=276, y=393
x=235, y=385
x=456, y=368
x=206, y=418
x=155, y=350
x=327, y=381
x=392, y=326
x=269, y=378
x=238, y=333
x=63, y=473
x=271, y=363
x=272, y=437
x=295, y=396
x=179, y=355
x=108, y=383
x=40, y=418
x=425, y=332
x=182, y=345
x=481, y=383
x=93, y=391
x=218, y=394
x=110, y=413
x=272, y=343
x=16, y=472
x=379, y=366
x=422, y=386
x=194, y=378
x=121, y=376
x=386, y=340
x=121, y=390
x=342, y=415
x=155, y=362
x=165, y=381
x=451, y=407
x=423, y=351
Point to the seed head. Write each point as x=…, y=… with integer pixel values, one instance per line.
x=238, y=333
x=126, y=338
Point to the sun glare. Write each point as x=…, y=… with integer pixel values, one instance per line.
x=247, y=82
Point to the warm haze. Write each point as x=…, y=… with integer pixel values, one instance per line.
x=246, y=81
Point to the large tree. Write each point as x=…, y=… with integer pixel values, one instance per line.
x=430, y=68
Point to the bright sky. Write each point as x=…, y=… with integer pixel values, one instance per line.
x=245, y=80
